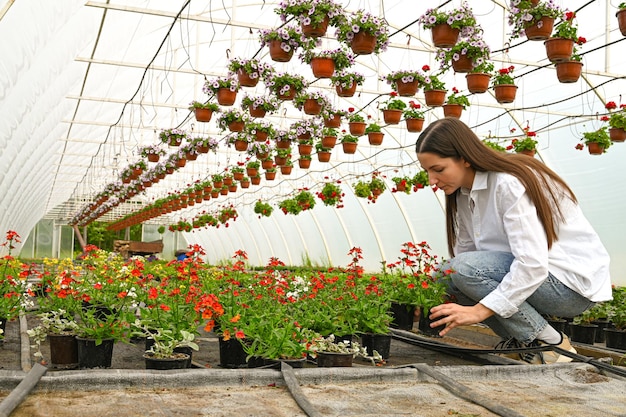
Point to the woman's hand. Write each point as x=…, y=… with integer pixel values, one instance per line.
x=452, y=315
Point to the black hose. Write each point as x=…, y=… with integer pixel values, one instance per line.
x=296, y=391
x=20, y=392
x=465, y=392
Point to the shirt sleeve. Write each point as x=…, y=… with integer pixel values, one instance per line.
x=529, y=247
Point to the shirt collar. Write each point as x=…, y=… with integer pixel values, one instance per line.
x=480, y=183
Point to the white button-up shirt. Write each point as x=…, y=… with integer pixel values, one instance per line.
x=498, y=215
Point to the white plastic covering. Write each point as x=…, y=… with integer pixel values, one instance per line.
x=83, y=85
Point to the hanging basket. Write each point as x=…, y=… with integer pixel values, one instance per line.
x=463, y=64
x=225, y=97
x=621, y=21
x=305, y=149
x=444, y=36
x=559, y=49
x=236, y=126
x=312, y=107
x=346, y=92
x=289, y=95
x=595, y=148
x=322, y=67
x=363, y=43
x=505, y=93
x=435, y=98
x=153, y=157
x=277, y=53
x=323, y=156
x=452, y=110
x=540, y=31
x=203, y=115
x=617, y=135
x=357, y=128
x=241, y=145
x=568, y=71
x=257, y=111
x=477, y=82
x=349, y=147
x=315, y=30
x=407, y=89
x=245, y=80
x=375, y=138
x=392, y=117
x=414, y=125
x=304, y=163
x=334, y=121
x=329, y=141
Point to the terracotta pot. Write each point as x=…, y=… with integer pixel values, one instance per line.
x=444, y=36
x=203, y=115
x=255, y=180
x=363, y=43
x=241, y=145
x=283, y=144
x=181, y=163
x=257, y=111
x=463, y=64
x=267, y=164
x=435, y=98
x=245, y=184
x=568, y=71
x=190, y=156
x=407, y=89
x=329, y=141
x=228, y=181
x=414, y=125
x=153, y=157
x=452, y=110
x=621, y=21
x=346, y=92
x=315, y=30
x=559, y=49
x=224, y=191
x=289, y=95
x=202, y=149
x=304, y=149
x=323, y=67
x=260, y=136
x=334, y=122
x=617, y=135
x=312, y=107
x=323, y=156
x=225, y=97
x=236, y=126
x=357, y=128
x=595, y=148
x=349, y=147
x=375, y=138
x=245, y=80
x=392, y=116
x=477, y=82
x=304, y=163
x=530, y=153
x=277, y=53
x=280, y=160
x=252, y=172
x=215, y=193
x=270, y=176
x=285, y=169
x=218, y=185
x=536, y=33
x=505, y=93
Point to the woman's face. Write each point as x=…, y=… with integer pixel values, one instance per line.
x=448, y=174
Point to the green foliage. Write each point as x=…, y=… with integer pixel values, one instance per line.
x=456, y=98
x=600, y=136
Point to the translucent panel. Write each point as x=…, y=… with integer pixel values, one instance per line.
x=66, y=249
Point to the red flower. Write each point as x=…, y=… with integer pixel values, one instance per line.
x=604, y=118
x=610, y=105
x=425, y=68
x=570, y=15
x=580, y=147
x=581, y=40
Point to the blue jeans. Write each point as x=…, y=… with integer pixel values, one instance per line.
x=476, y=274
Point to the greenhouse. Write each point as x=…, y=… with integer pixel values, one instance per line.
x=200, y=176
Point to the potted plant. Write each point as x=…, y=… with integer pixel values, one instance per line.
x=560, y=46
x=152, y=152
x=617, y=122
x=233, y=120
x=621, y=18
x=392, y=109
x=346, y=82
x=446, y=25
x=173, y=137
x=526, y=144
x=203, y=111
x=371, y=189
x=248, y=71
x=324, y=63
x=404, y=82
x=534, y=20
x=597, y=141
x=494, y=145
x=302, y=201
x=204, y=144
x=263, y=209
x=434, y=88
x=314, y=16
x=258, y=106
x=283, y=41
x=455, y=104
x=331, y=351
x=465, y=54
x=260, y=130
x=252, y=168
x=374, y=134
x=569, y=71
x=224, y=88
x=414, y=117
x=363, y=32
x=286, y=85
x=306, y=129
x=479, y=76
x=163, y=354
x=311, y=103
x=331, y=195
x=349, y=143
x=504, y=86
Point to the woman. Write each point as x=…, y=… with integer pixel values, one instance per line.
x=520, y=245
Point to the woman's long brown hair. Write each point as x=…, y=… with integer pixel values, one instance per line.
x=451, y=138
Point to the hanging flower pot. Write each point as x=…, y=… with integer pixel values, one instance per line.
x=241, y=145
x=540, y=30
x=435, y=98
x=305, y=149
x=226, y=97
x=414, y=125
x=191, y=156
x=286, y=169
x=346, y=92
x=463, y=64
x=568, y=71
x=375, y=138
x=267, y=164
x=270, y=175
x=257, y=111
x=559, y=49
x=315, y=30
x=528, y=152
x=277, y=53
x=323, y=156
x=245, y=79
x=260, y=136
x=595, y=148
x=617, y=135
x=357, y=128
x=505, y=93
x=477, y=82
x=287, y=95
x=334, y=121
x=181, y=162
x=621, y=21
x=452, y=110
x=255, y=180
x=349, y=147
x=312, y=107
x=252, y=172
x=363, y=43
x=153, y=157
x=329, y=141
x=236, y=126
x=444, y=35
x=203, y=115
x=283, y=144
x=391, y=116
x=304, y=163
x=407, y=89
x=322, y=67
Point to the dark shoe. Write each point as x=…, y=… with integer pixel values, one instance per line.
x=511, y=344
